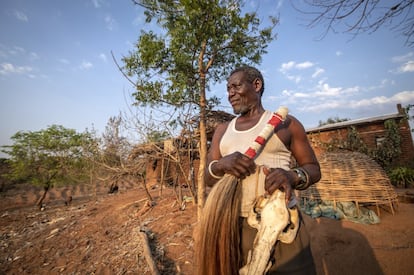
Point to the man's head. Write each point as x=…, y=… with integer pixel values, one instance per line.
x=251, y=74
x=245, y=88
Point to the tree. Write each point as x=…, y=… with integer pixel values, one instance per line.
x=332, y=121
x=408, y=109
x=359, y=16
x=390, y=147
x=115, y=146
x=200, y=42
x=49, y=157
x=354, y=142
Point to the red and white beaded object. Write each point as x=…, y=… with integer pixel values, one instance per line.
x=277, y=118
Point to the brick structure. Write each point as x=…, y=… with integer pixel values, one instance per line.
x=370, y=130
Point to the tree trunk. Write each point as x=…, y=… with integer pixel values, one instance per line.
x=42, y=198
x=144, y=184
x=202, y=147
x=162, y=174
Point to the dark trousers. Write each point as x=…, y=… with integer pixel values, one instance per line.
x=294, y=258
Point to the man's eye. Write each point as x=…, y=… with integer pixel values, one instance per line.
x=234, y=87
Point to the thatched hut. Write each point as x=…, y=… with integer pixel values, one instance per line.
x=176, y=160
x=213, y=119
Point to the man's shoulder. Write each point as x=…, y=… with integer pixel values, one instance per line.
x=224, y=125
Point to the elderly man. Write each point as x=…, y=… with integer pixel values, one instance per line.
x=269, y=171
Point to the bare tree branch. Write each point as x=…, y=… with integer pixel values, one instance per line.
x=361, y=16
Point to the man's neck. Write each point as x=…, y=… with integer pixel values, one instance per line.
x=249, y=119
x=253, y=113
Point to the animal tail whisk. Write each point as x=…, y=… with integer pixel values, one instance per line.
x=218, y=247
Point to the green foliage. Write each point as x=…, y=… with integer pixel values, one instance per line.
x=402, y=177
x=390, y=148
x=354, y=141
x=197, y=38
x=50, y=157
x=156, y=136
x=332, y=121
x=115, y=146
x=407, y=109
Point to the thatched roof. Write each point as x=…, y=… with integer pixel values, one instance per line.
x=213, y=119
x=147, y=150
x=155, y=150
x=352, y=177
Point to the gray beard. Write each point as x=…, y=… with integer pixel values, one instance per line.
x=241, y=111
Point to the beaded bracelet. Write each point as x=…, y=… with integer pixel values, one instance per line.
x=211, y=171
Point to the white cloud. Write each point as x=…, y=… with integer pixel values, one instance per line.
x=16, y=50
x=407, y=63
x=301, y=95
x=383, y=84
x=325, y=105
x=287, y=66
x=64, y=61
x=279, y=4
x=304, y=65
x=293, y=65
x=404, y=97
x=102, y=56
x=86, y=65
x=318, y=71
x=338, y=53
x=21, y=16
x=98, y=3
x=8, y=68
x=110, y=22
x=295, y=78
x=368, y=102
x=325, y=90
x=11, y=52
x=403, y=58
x=286, y=93
x=139, y=20
x=407, y=67
x=33, y=56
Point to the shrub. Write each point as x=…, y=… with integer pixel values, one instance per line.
x=402, y=177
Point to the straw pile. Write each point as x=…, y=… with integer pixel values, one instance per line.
x=352, y=177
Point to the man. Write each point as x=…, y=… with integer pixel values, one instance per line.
x=269, y=171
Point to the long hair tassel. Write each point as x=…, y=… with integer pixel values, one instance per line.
x=219, y=233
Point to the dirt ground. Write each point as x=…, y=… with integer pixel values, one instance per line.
x=100, y=234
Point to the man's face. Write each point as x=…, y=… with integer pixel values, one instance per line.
x=241, y=93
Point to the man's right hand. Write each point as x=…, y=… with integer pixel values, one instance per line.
x=236, y=164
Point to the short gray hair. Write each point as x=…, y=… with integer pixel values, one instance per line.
x=251, y=73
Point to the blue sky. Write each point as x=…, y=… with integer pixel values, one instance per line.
x=56, y=66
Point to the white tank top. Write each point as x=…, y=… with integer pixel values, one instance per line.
x=274, y=154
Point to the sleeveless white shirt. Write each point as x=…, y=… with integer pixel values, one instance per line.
x=274, y=154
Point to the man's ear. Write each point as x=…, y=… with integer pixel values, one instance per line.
x=257, y=84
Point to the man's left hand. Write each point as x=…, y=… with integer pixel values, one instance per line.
x=278, y=178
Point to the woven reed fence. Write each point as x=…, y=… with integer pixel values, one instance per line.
x=352, y=177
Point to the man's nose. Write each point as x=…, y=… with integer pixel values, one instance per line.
x=231, y=91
